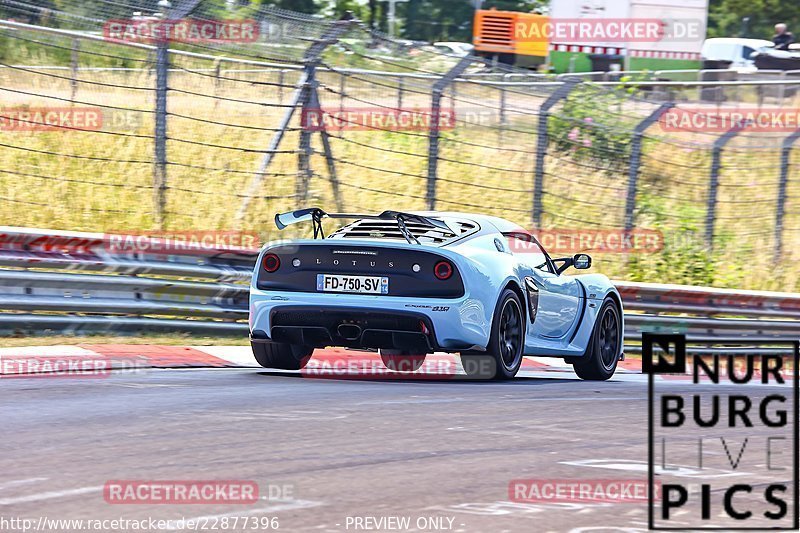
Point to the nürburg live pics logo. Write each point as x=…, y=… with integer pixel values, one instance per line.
x=722, y=434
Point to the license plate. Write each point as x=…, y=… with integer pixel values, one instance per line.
x=358, y=284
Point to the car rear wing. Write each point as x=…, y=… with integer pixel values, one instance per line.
x=315, y=216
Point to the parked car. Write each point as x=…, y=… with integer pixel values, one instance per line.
x=739, y=51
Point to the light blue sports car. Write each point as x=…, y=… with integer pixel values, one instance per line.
x=409, y=284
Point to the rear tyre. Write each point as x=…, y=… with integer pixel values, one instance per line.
x=280, y=355
x=600, y=361
x=503, y=356
x=400, y=361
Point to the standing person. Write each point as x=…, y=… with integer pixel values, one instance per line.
x=782, y=38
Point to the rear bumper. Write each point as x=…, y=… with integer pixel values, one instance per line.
x=359, y=321
x=353, y=328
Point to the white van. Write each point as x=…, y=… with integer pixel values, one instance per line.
x=734, y=49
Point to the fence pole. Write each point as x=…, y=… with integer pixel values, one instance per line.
x=541, y=144
x=160, y=166
x=311, y=58
x=162, y=71
x=716, y=166
x=502, y=106
x=433, y=132
x=217, y=80
x=341, y=100
x=636, y=159
x=342, y=87
x=780, y=211
x=400, y=83
x=305, y=152
x=73, y=68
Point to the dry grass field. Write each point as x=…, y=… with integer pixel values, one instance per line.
x=219, y=128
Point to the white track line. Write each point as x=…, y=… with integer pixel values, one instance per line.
x=21, y=482
x=50, y=495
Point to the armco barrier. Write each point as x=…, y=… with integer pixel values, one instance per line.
x=66, y=282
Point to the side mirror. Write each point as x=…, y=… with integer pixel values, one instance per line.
x=579, y=261
x=582, y=261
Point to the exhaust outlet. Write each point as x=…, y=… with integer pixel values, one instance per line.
x=349, y=332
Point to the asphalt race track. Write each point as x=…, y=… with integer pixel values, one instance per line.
x=330, y=451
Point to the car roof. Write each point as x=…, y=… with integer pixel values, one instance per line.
x=739, y=40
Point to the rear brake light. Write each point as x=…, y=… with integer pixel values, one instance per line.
x=271, y=262
x=443, y=270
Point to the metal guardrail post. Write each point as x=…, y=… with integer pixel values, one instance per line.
x=780, y=210
x=433, y=131
x=160, y=165
x=541, y=144
x=300, y=97
x=716, y=166
x=636, y=159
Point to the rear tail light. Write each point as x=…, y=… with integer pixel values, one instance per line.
x=271, y=262
x=443, y=270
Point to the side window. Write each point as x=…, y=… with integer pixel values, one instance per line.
x=746, y=51
x=529, y=251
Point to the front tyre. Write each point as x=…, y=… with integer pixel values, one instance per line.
x=602, y=354
x=506, y=343
x=281, y=355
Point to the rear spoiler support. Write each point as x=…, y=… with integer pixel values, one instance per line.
x=315, y=215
